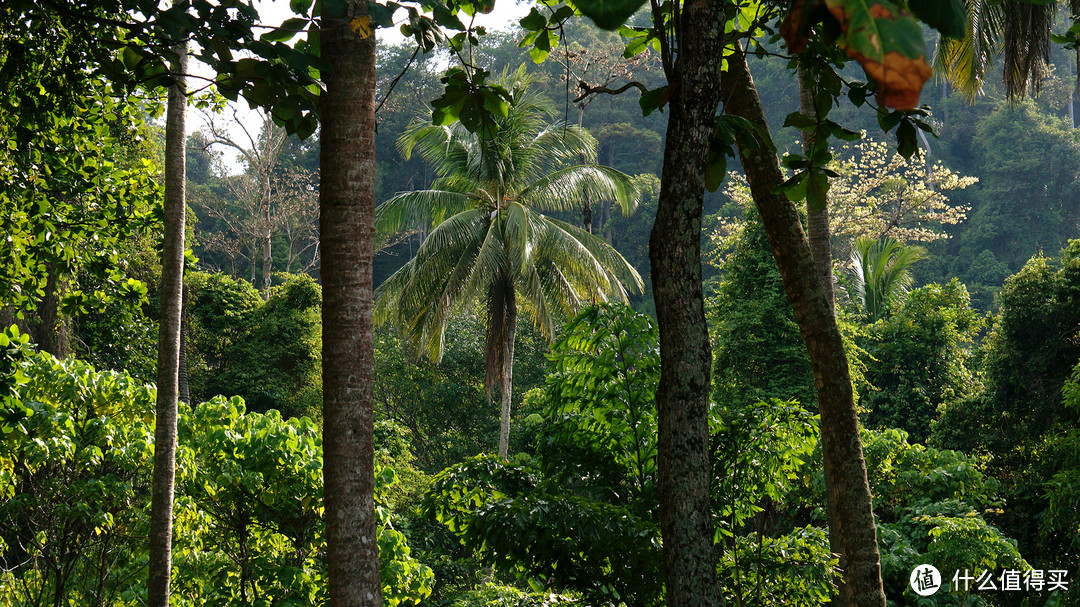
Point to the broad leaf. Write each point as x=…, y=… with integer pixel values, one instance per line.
x=888, y=43
x=946, y=16
x=609, y=14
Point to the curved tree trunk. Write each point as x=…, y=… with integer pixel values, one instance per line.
x=852, y=533
x=506, y=374
x=172, y=276
x=817, y=222
x=347, y=233
x=682, y=397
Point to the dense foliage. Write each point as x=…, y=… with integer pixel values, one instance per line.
x=966, y=366
x=74, y=465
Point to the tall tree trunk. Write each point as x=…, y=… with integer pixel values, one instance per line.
x=50, y=335
x=1073, y=107
x=506, y=375
x=347, y=230
x=183, y=385
x=172, y=274
x=817, y=222
x=267, y=241
x=586, y=206
x=682, y=397
x=851, y=519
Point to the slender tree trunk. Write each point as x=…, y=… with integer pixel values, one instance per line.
x=851, y=519
x=172, y=274
x=183, y=385
x=1073, y=118
x=506, y=376
x=586, y=206
x=682, y=397
x=267, y=240
x=347, y=230
x=817, y=222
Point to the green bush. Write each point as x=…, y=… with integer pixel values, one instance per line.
x=75, y=461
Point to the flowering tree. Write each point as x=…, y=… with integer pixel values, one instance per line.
x=882, y=194
x=877, y=194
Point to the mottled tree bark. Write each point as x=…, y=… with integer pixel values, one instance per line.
x=347, y=232
x=851, y=519
x=682, y=397
x=172, y=275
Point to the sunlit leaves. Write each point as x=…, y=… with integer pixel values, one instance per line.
x=74, y=488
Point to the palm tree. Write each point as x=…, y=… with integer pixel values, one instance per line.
x=1020, y=31
x=489, y=239
x=882, y=272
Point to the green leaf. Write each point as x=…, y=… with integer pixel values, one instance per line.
x=842, y=133
x=609, y=14
x=534, y=21
x=906, y=139
x=653, y=100
x=889, y=120
x=946, y=16
x=888, y=43
x=286, y=31
x=800, y=121
x=795, y=188
x=715, y=173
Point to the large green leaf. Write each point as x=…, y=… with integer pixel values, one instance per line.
x=609, y=14
x=946, y=16
x=888, y=43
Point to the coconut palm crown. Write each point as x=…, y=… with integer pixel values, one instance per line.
x=489, y=238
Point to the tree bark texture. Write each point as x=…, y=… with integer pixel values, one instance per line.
x=172, y=278
x=183, y=385
x=347, y=232
x=685, y=352
x=852, y=533
x=506, y=376
x=52, y=334
x=817, y=222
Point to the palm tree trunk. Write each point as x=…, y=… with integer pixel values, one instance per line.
x=172, y=276
x=817, y=222
x=506, y=376
x=685, y=353
x=347, y=232
x=851, y=519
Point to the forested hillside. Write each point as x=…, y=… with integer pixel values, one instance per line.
x=519, y=400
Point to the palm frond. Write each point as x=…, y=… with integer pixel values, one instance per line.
x=563, y=189
x=1027, y=45
x=435, y=278
x=965, y=62
x=419, y=208
x=882, y=272
x=606, y=254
